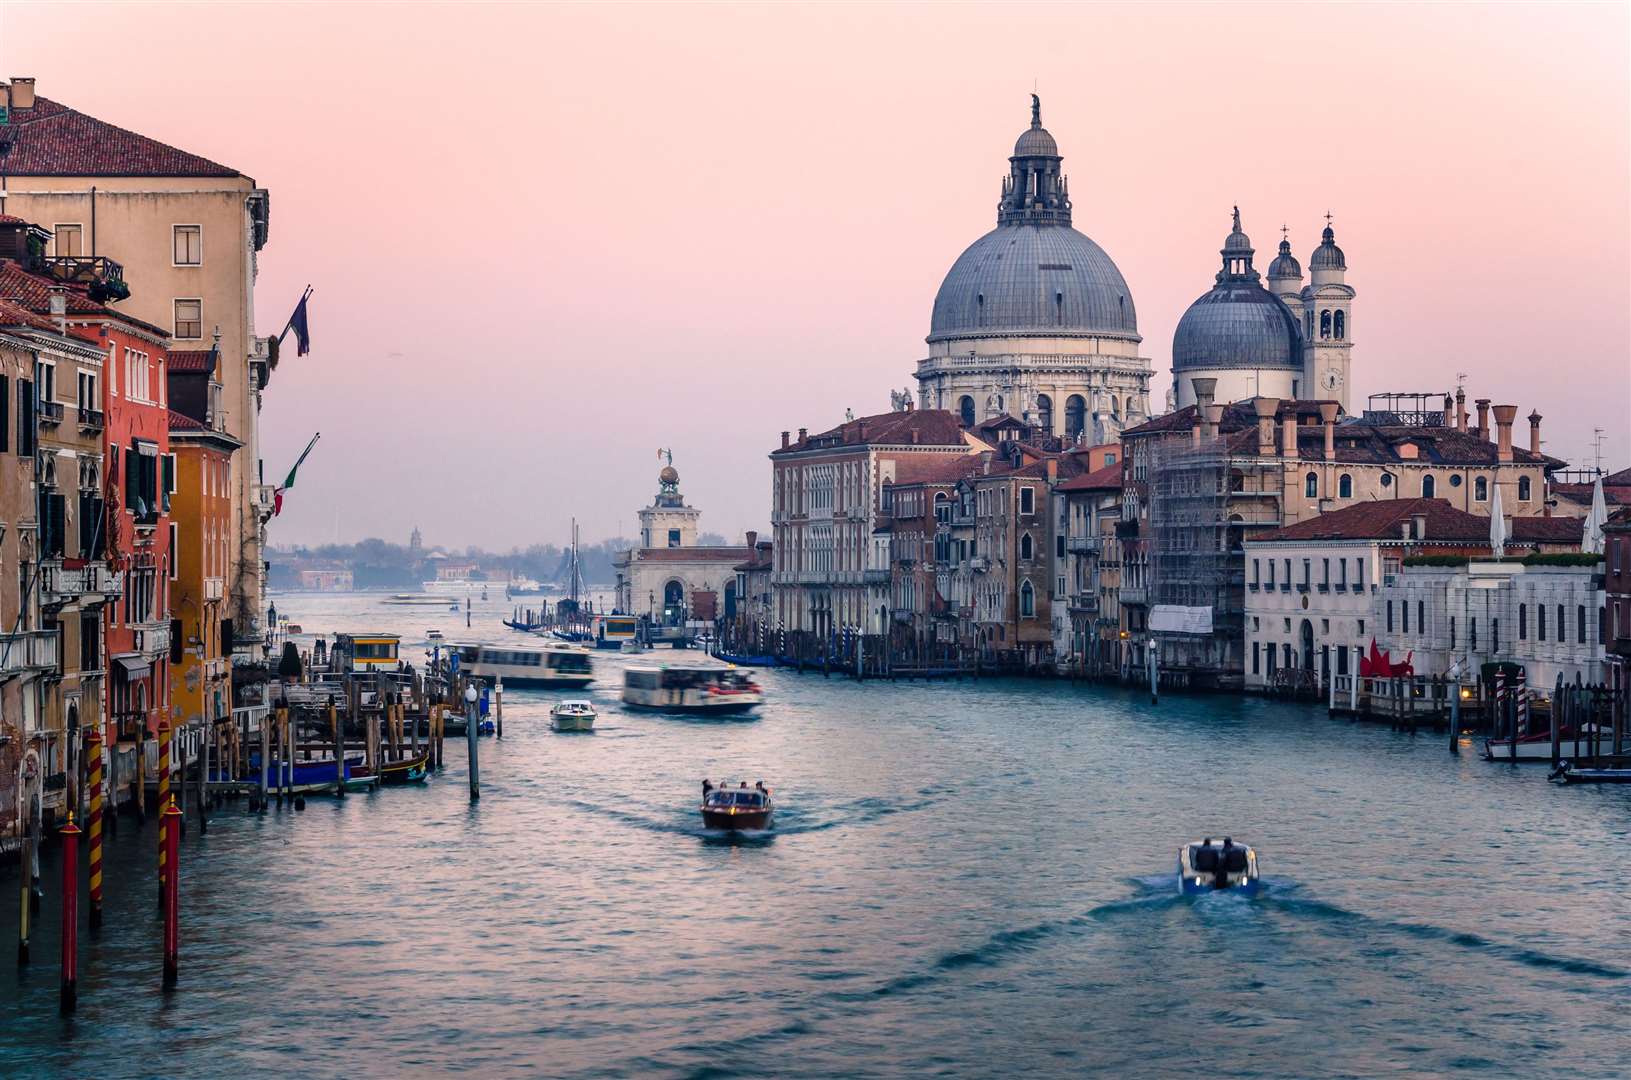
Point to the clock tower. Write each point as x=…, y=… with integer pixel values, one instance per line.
x=1327, y=312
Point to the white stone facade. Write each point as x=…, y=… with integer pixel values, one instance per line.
x=1308, y=608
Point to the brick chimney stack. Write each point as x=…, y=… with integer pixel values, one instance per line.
x=784, y=440
x=1460, y=409
x=22, y=92
x=1288, y=434
x=1504, y=415
x=1449, y=411
x=753, y=541
x=1483, y=418
x=1328, y=417
x=1265, y=408
x=1214, y=421
x=1534, y=432
x=1205, y=390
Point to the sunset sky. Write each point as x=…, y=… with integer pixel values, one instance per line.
x=546, y=240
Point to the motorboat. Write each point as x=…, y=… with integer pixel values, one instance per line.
x=574, y=715
x=737, y=808
x=433, y=634
x=415, y=600
x=1209, y=865
x=1568, y=772
x=1538, y=747
x=707, y=689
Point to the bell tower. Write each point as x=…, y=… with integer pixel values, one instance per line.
x=668, y=522
x=1327, y=309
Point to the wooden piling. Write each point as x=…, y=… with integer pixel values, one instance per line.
x=339, y=749
x=166, y=736
x=266, y=756
x=68, y=989
x=204, y=777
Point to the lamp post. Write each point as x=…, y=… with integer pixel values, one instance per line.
x=470, y=722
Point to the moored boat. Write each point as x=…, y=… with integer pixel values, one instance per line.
x=574, y=715
x=307, y=777
x=737, y=808
x=1532, y=748
x=1210, y=865
x=406, y=771
x=708, y=689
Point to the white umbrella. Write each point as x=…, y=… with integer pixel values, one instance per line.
x=1591, y=540
x=1497, y=525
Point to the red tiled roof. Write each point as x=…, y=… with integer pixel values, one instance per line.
x=51, y=139
x=195, y=361
x=183, y=422
x=34, y=291
x=1104, y=479
x=12, y=219
x=13, y=314
x=935, y=470
x=1385, y=520
x=1619, y=479
x=933, y=427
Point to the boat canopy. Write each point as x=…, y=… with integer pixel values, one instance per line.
x=751, y=797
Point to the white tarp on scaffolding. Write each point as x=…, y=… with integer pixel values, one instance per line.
x=1175, y=619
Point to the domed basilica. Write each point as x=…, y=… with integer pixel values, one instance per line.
x=1034, y=320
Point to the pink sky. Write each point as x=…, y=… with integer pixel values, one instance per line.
x=548, y=239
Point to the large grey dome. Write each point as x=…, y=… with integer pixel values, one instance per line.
x=1033, y=279
x=1238, y=324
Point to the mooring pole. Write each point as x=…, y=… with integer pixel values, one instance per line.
x=93, y=750
x=498, y=708
x=69, y=989
x=27, y=905
x=165, y=824
x=172, y=898
x=470, y=725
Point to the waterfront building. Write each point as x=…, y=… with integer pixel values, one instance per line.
x=1617, y=604
x=1315, y=591
x=916, y=516
x=826, y=503
x=190, y=231
x=201, y=533
x=753, y=610
x=1034, y=320
x=1207, y=477
x=670, y=579
x=1088, y=563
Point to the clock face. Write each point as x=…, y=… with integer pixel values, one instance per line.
x=1332, y=380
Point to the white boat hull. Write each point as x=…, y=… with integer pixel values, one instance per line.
x=573, y=722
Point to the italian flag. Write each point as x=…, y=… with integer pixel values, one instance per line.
x=288, y=481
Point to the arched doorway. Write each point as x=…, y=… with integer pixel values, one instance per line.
x=965, y=410
x=730, y=599
x=673, y=603
x=1075, y=416
x=1044, y=412
x=1307, y=637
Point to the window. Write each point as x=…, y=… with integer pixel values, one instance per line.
x=1495, y=635
x=1345, y=486
x=69, y=239
x=1421, y=617
x=1580, y=624
x=1257, y=576
x=1339, y=324
x=1562, y=626
x=1390, y=616
x=965, y=410
x=1027, y=601
x=1027, y=550
x=1523, y=489
x=189, y=245
x=1359, y=574
x=45, y=378
x=1325, y=573
x=1027, y=500
x=1325, y=324
x=1311, y=486
x=175, y=550
x=1472, y=633
x=1059, y=546
x=1428, y=487
x=88, y=398
x=25, y=421
x=1109, y=459
x=1044, y=412
x=1523, y=622
x=673, y=538
x=1404, y=614
x=1257, y=659
x=189, y=319
x=1271, y=574
x=1075, y=416
x=1540, y=622
x=1480, y=489
x=1285, y=586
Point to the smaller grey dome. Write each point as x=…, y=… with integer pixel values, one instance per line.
x=1238, y=324
x=1285, y=264
x=1237, y=240
x=1036, y=142
x=1328, y=256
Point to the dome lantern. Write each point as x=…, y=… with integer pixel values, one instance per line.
x=1035, y=191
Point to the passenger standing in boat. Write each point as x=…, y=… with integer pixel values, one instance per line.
x=706, y=787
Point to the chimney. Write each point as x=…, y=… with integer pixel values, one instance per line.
x=1214, y=420
x=985, y=462
x=1460, y=409
x=1504, y=415
x=1328, y=417
x=1265, y=407
x=753, y=541
x=1534, y=432
x=22, y=91
x=784, y=440
x=802, y=432
x=1205, y=391
x=1288, y=434
x=1483, y=418
x=1449, y=411
x=59, y=307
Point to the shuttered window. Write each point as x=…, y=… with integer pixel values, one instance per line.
x=25, y=417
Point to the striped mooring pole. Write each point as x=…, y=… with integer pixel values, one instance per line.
x=170, y=829
x=93, y=750
x=164, y=803
x=70, y=915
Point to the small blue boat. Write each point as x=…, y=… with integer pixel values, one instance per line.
x=308, y=777
x=1212, y=865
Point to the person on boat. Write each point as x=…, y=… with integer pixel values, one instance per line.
x=706, y=787
x=761, y=786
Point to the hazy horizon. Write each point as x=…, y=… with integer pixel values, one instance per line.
x=546, y=240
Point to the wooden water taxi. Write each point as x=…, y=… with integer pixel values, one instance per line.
x=575, y=715
x=737, y=808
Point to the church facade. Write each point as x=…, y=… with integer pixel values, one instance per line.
x=1034, y=320
x=669, y=579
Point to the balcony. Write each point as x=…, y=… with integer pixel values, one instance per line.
x=979, y=564
x=50, y=412
x=30, y=650
x=265, y=500
x=1134, y=596
x=903, y=614
x=1085, y=603
x=105, y=277
x=875, y=577
x=1084, y=545
x=92, y=419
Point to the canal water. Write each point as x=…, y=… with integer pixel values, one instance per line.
x=965, y=878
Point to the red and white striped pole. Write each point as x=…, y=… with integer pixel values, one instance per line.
x=164, y=802
x=70, y=915
x=172, y=894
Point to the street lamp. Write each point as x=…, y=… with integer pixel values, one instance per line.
x=470, y=724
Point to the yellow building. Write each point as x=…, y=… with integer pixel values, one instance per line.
x=200, y=543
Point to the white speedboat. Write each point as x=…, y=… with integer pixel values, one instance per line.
x=1209, y=865
x=707, y=689
x=575, y=715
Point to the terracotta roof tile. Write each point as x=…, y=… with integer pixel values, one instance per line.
x=14, y=314
x=183, y=422
x=933, y=427
x=1105, y=479
x=195, y=361
x=51, y=139
x=1385, y=519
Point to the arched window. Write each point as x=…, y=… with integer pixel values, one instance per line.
x=1345, y=486
x=1044, y=412
x=1429, y=487
x=1075, y=416
x=1311, y=486
x=1523, y=489
x=1325, y=323
x=965, y=409
x=1115, y=408
x=1027, y=549
x=1027, y=601
x=1339, y=321
x=1480, y=489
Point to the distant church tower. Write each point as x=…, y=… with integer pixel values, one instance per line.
x=668, y=522
x=1327, y=311
x=416, y=543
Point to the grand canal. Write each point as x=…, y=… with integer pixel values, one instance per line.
x=965, y=878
